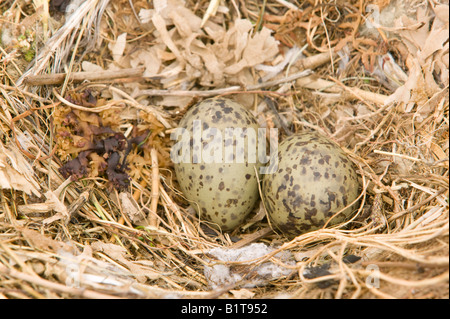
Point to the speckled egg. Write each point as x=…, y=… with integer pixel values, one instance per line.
x=217, y=174
x=314, y=180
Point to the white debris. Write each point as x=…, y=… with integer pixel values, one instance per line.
x=290, y=57
x=230, y=266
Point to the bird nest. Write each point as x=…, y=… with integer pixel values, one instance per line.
x=91, y=90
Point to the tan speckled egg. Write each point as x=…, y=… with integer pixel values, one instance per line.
x=314, y=181
x=224, y=190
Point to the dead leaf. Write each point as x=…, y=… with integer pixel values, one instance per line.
x=16, y=173
x=438, y=153
x=435, y=40
x=91, y=67
x=427, y=45
x=442, y=12
x=180, y=55
x=117, y=48
x=131, y=208
x=43, y=242
x=118, y=253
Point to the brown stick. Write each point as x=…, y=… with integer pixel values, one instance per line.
x=251, y=238
x=57, y=78
x=155, y=188
x=314, y=83
x=313, y=61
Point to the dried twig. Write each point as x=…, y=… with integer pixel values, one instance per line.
x=228, y=90
x=100, y=76
x=155, y=189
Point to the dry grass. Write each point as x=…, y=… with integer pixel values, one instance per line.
x=63, y=239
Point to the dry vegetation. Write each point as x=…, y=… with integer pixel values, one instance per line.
x=81, y=92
